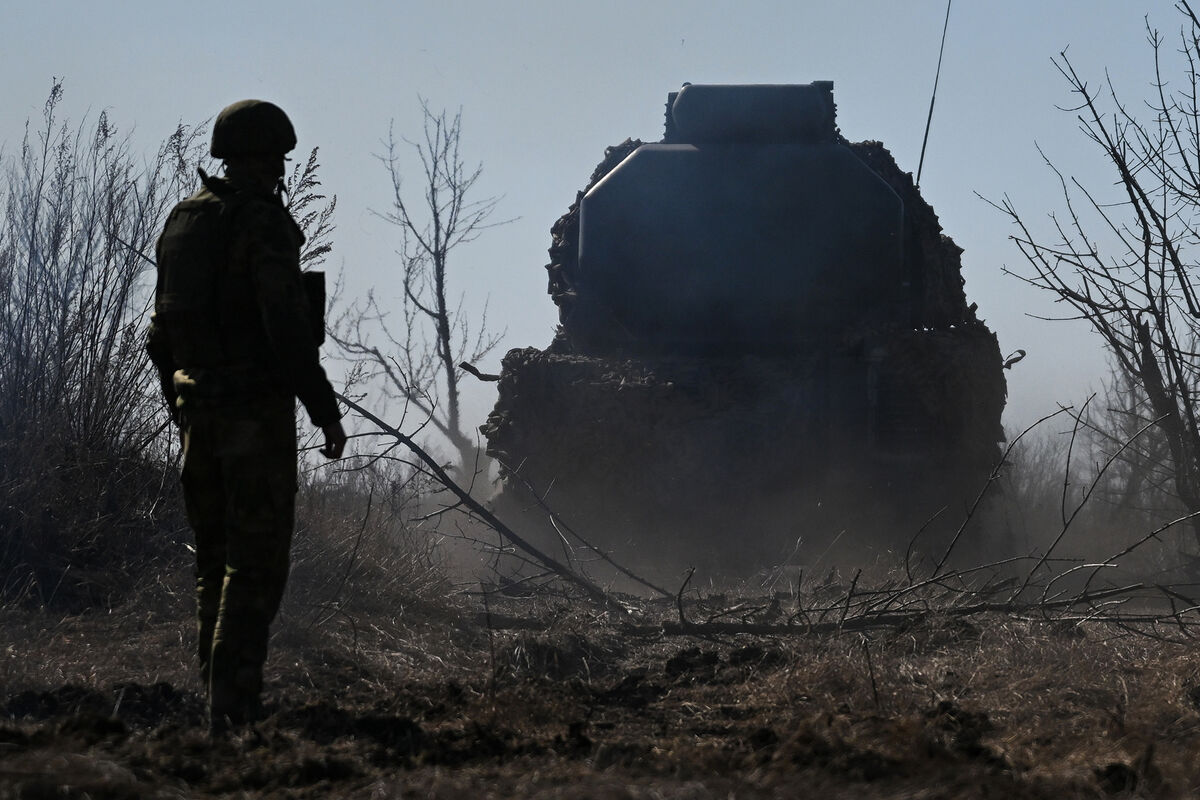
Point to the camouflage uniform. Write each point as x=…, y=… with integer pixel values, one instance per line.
x=234, y=343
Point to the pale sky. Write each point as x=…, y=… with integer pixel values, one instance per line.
x=545, y=86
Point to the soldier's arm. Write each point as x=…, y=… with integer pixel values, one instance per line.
x=273, y=252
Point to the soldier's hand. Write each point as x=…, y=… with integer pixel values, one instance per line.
x=335, y=440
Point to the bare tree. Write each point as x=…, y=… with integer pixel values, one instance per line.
x=1126, y=265
x=419, y=366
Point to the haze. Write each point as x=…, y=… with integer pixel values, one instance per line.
x=546, y=86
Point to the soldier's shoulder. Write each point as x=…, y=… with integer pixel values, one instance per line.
x=221, y=192
x=202, y=196
x=200, y=205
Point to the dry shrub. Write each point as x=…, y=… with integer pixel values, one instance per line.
x=86, y=528
x=1078, y=490
x=356, y=550
x=84, y=459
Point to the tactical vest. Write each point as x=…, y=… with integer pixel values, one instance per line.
x=205, y=299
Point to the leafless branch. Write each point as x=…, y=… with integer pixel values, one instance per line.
x=435, y=334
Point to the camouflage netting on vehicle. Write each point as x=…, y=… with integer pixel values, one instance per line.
x=658, y=457
x=564, y=247
x=678, y=407
x=711, y=416
x=932, y=259
x=645, y=456
x=875, y=423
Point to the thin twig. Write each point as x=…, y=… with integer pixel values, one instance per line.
x=871, y=671
x=591, y=590
x=679, y=596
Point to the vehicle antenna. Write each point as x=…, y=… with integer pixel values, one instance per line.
x=933, y=97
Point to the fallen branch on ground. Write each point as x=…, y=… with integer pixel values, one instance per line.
x=591, y=590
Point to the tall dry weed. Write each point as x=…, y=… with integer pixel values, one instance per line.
x=84, y=457
x=357, y=552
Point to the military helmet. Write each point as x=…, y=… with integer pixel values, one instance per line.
x=252, y=128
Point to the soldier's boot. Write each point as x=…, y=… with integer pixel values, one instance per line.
x=234, y=700
x=249, y=600
x=222, y=708
x=239, y=650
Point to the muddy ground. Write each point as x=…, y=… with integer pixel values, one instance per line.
x=555, y=699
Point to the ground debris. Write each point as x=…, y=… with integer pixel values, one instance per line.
x=989, y=706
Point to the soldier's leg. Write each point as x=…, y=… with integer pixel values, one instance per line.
x=260, y=489
x=204, y=499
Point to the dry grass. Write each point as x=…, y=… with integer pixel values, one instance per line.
x=385, y=681
x=430, y=701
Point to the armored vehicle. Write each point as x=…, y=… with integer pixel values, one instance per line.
x=764, y=348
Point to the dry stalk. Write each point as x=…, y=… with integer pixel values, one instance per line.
x=991, y=479
x=590, y=590
x=1069, y=519
x=560, y=525
x=487, y=610
x=871, y=671
x=679, y=596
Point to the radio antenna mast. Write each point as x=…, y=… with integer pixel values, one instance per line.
x=933, y=97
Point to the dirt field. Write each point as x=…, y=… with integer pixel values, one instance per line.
x=554, y=699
